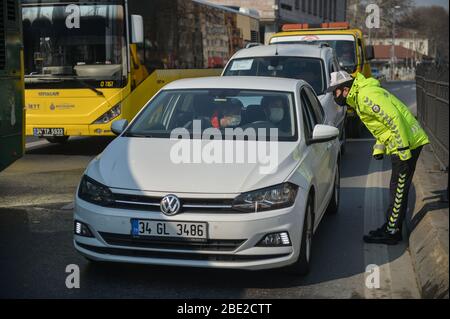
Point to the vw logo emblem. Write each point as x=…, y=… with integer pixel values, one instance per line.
x=170, y=205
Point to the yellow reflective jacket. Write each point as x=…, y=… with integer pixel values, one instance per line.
x=388, y=119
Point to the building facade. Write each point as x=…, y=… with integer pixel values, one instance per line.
x=275, y=13
x=418, y=45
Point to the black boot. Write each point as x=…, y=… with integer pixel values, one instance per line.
x=383, y=229
x=382, y=236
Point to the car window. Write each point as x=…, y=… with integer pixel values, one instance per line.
x=311, y=70
x=331, y=68
x=316, y=106
x=219, y=109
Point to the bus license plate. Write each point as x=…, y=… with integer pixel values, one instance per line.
x=48, y=132
x=173, y=230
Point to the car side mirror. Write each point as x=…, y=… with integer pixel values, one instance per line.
x=137, y=29
x=119, y=126
x=370, y=52
x=323, y=134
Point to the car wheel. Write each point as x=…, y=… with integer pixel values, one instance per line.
x=302, y=265
x=58, y=139
x=333, y=206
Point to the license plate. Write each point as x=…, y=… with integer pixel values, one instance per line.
x=48, y=132
x=173, y=230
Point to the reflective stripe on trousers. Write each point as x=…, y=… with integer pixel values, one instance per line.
x=401, y=180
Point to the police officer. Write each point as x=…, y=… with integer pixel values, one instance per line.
x=398, y=135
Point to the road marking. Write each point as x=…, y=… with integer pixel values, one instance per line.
x=70, y=206
x=36, y=144
x=42, y=143
x=397, y=277
x=33, y=203
x=374, y=218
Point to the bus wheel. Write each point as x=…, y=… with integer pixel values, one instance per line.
x=58, y=139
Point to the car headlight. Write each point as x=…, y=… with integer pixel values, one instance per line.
x=272, y=198
x=112, y=114
x=93, y=192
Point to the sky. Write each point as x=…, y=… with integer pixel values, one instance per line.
x=442, y=3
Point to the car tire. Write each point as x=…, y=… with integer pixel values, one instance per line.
x=333, y=206
x=302, y=265
x=58, y=139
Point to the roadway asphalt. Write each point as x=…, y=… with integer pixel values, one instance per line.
x=36, y=237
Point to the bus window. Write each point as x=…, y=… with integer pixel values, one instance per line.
x=94, y=51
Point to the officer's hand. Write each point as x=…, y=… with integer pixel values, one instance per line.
x=378, y=157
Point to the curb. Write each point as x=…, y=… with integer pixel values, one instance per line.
x=428, y=228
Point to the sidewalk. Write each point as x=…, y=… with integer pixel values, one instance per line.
x=428, y=227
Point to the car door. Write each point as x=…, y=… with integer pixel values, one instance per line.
x=318, y=152
x=328, y=163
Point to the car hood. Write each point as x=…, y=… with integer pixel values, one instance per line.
x=145, y=164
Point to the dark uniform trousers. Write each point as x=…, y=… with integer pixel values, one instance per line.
x=401, y=180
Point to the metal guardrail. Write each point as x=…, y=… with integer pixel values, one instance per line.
x=433, y=108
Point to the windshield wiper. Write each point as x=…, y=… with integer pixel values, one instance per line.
x=90, y=87
x=72, y=78
x=128, y=134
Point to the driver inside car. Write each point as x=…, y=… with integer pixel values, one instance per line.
x=230, y=115
x=275, y=108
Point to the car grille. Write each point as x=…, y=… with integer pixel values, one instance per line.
x=177, y=256
x=148, y=203
x=150, y=243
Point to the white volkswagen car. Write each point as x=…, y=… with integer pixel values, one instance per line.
x=308, y=62
x=175, y=187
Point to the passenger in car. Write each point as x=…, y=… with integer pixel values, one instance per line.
x=229, y=114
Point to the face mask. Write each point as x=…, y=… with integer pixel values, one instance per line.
x=235, y=120
x=231, y=121
x=276, y=114
x=341, y=100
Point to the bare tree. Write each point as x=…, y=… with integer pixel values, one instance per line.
x=356, y=14
x=433, y=24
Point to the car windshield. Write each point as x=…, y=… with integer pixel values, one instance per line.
x=344, y=47
x=77, y=41
x=270, y=115
x=309, y=69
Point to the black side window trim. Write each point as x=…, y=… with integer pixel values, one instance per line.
x=308, y=115
x=310, y=95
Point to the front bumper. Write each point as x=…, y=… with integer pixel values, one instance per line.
x=245, y=229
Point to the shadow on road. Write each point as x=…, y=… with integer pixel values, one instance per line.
x=79, y=146
x=34, y=266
